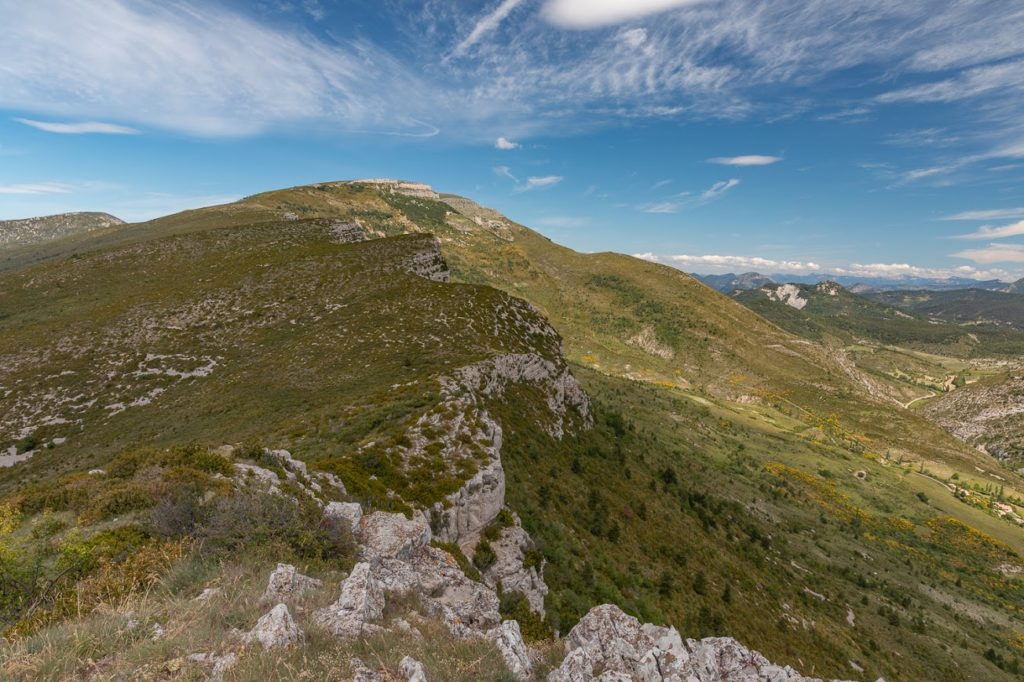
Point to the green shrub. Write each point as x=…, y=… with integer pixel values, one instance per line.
x=484, y=557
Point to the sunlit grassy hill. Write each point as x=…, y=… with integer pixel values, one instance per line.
x=739, y=479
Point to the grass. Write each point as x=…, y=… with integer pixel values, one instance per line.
x=725, y=485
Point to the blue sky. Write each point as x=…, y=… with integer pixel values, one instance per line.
x=870, y=137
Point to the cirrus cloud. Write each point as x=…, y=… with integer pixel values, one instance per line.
x=81, y=128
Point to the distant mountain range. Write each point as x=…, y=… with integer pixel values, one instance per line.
x=755, y=280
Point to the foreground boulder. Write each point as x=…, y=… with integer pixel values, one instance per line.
x=276, y=630
x=509, y=640
x=609, y=645
x=361, y=601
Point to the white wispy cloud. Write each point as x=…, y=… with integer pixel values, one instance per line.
x=506, y=144
x=485, y=25
x=504, y=172
x=539, y=182
x=80, y=128
x=994, y=253
x=35, y=188
x=748, y=160
x=585, y=14
x=196, y=68
x=993, y=232
x=661, y=207
x=562, y=221
x=987, y=214
x=719, y=188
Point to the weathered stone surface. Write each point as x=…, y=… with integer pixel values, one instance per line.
x=474, y=505
x=509, y=641
x=467, y=607
x=276, y=629
x=208, y=594
x=346, y=513
x=361, y=673
x=286, y=582
x=392, y=536
x=609, y=641
x=361, y=601
x=508, y=569
x=413, y=670
x=219, y=664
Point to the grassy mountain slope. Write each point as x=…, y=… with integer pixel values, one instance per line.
x=32, y=231
x=739, y=480
x=960, y=306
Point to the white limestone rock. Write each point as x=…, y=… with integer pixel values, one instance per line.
x=361, y=601
x=286, y=583
x=384, y=535
x=276, y=629
x=509, y=640
x=413, y=670
x=474, y=505
x=508, y=569
x=346, y=514
x=608, y=640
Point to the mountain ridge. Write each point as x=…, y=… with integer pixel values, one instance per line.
x=748, y=466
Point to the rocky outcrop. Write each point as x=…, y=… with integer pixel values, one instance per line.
x=609, y=642
x=276, y=630
x=428, y=263
x=286, y=583
x=345, y=514
x=346, y=233
x=360, y=603
x=392, y=536
x=509, y=641
x=510, y=570
x=562, y=391
x=470, y=509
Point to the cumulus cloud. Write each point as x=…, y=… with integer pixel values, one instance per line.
x=719, y=188
x=35, y=188
x=748, y=160
x=586, y=14
x=506, y=144
x=993, y=232
x=81, y=128
x=720, y=263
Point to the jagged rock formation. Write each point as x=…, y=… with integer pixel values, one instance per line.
x=609, y=645
x=361, y=601
x=412, y=189
x=511, y=570
x=509, y=641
